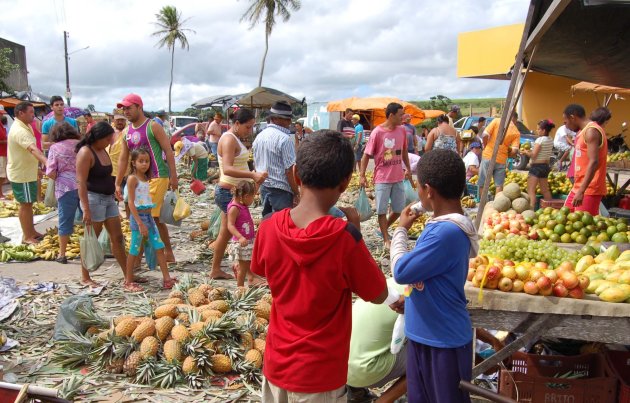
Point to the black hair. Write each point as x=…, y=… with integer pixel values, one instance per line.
x=475, y=129
x=442, y=119
x=22, y=107
x=324, y=159
x=64, y=131
x=600, y=115
x=575, y=110
x=481, y=119
x=54, y=99
x=99, y=131
x=392, y=108
x=88, y=114
x=217, y=114
x=547, y=125
x=299, y=123
x=134, y=156
x=244, y=187
x=444, y=171
x=243, y=115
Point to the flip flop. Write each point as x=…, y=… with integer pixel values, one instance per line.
x=168, y=284
x=133, y=287
x=34, y=241
x=90, y=283
x=222, y=276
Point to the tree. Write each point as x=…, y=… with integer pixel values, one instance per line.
x=171, y=31
x=267, y=10
x=6, y=67
x=91, y=108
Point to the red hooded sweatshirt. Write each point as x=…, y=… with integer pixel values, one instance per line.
x=312, y=273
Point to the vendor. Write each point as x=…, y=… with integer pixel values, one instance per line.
x=199, y=155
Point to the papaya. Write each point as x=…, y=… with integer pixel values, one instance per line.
x=593, y=286
x=624, y=257
x=623, y=265
x=584, y=263
x=614, y=275
x=595, y=276
x=624, y=278
x=604, y=285
x=614, y=294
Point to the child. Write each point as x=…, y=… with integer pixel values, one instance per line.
x=539, y=167
x=437, y=324
x=313, y=263
x=143, y=228
x=241, y=226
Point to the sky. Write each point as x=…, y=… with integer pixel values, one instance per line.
x=329, y=49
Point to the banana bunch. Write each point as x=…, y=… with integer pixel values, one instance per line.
x=468, y=202
x=126, y=230
x=417, y=227
x=10, y=209
x=354, y=181
x=19, y=253
x=48, y=248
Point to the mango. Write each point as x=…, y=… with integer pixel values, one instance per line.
x=624, y=278
x=614, y=276
x=614, y=294
x=623, y=265
x=593, y=286
x=604, y=285
x=595, y=276
x=584, y=263
x=624, y=257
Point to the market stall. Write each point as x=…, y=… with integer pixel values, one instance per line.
x=374, y=108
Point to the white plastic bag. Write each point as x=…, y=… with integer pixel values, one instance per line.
x=50, y=200
x=363, y=206
x=168, y=207
x=398, y=335
x=91, y=251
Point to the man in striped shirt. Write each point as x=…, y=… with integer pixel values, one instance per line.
x=274, y=152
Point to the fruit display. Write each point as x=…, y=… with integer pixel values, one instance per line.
x=468, y=202
x=417, y=227
x=354, y=181
x=609, y=274
x=48, y=247
x=558, y=182
x=533, y=278
x=16, y=253
x=10, y=209
x=624, y=156
x=500, y=225
x=520, y=249
x=198, y=333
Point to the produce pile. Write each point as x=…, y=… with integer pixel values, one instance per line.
x=559, y=184
x=609, y=274
x=624, y=156
x=10, y=209
x=198, y=333
x=354, y=181
x=16, y=253
x=520, y=249
x=48, y=247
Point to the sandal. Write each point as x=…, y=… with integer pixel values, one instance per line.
x=133, y=287
x=168, y=284
x=62, y=260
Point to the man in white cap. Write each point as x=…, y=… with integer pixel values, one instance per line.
x=274, y=153
x=3, y=152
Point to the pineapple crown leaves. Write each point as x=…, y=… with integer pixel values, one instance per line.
x=249, y=374
x=75, y=350
x=196, y=380
x=246, y=300
x=186, y=282
x=88, y=316
x=219, y=329
x=196, y=349
x=168, y=374
x=193, y=315
x=232, y=348
x=71, y=386
x=146, y=371
x=125, y=346
x=140, y=307
x=104, y=351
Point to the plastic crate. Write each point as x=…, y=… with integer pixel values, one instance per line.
x=473, y=190
x=619, y=363
x=535, y=379
x=553, y=203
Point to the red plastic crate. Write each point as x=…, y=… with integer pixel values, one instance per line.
x=619, y=362
x=534, y=378
x=553, y=203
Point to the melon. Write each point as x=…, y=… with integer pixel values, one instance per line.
x=525, y=196
x=529, y=214
x=501, y=203
x=521, y=204
x=512, y=191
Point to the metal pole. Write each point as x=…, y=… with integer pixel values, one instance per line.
x=65, y=51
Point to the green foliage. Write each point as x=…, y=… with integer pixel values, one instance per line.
x=6, y=67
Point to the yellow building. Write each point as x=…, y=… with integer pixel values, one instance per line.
x=544, y=96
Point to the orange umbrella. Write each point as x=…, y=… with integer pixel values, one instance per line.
x=377, y=105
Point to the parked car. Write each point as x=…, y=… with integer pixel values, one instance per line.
x=178, y=122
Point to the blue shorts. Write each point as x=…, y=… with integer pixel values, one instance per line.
x=67, y=206
x=358, y=154
x=102, y=206
x=389, y=192
x=214, y=147
x=153, y=237
x=274, y=199
x=498, y=174
x=222, y=197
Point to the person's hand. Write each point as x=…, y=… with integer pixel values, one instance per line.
x=87, y=217
x=144, y=231
x=407, y=217
x=399, y=306
x=173, y=183
x=351, y=213
x=363, y=181
x=243, y=241
x=119, y=193
x=408, y=176
x=259, y=177
x=578, y=198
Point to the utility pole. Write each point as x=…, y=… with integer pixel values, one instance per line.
x=65, y=50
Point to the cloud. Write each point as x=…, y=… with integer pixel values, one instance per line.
x=327, y=50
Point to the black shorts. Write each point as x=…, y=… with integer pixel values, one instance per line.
x=540, y=171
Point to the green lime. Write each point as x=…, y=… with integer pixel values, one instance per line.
x=585, y=232
x=601, y=225
x=581, y=239
x=603, y=237
x=559, y=229
x=554, y=237
x=622, y=227
x=612, y=230
x=578, y=225
x=592, y=238
x=574, y=235
x=551, y=224
x=561, y=218
x=587, y=219
x=619, y=237
x=548, y=210
x=571, y=217
x=566, y=238
x=591, y=227
x=565, y=210
x=588, y=250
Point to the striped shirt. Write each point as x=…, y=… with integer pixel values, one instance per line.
x=274, y=152
x=546, y=148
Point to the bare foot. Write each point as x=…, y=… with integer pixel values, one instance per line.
x=89, y=283
x=220, y=275
x=257, y=282
x=386, y=245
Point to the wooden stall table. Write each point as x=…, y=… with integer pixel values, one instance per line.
x=614, y=180
x=534, y=316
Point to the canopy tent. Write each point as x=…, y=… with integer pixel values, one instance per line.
x=222, y=101
x=608, y=92
x=260, y=97
x=377, y=106
x=432, y=113
x=12, y=102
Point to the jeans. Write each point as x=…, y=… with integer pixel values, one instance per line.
x=274, y=199
x=67, y=208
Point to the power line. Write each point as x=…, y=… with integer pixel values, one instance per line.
x=56, y=13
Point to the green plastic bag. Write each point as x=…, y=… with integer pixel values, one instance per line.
x=103, y=240
x=91, y=251
x=215, y=223
x=50, y=200
x=363, y=206
x=411, y=196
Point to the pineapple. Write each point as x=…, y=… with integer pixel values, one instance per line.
x=180, y=333
x=103, y=335
x=166, y=310
x=219, y=305
x=215, y=294
x=196, y=297
x=247, y=341
x=183, y=318
x=176, y=294
x=144, y=330
x=189, y=365
x=196, y=349
x=267, y=298
x=221, y=363
x=173, y=350
x=260, y=345
x=115, y=367
x=163, y=327
x=119, y=319
x=131, y=363
x=261, y=324
x=205, y=288
x=196, y=328
x=92, y=330
x=168, y=374
x=149, y=347
x=126, y=327
x=211, y=314
x=262, y=309
x=174, y=301
x=124, y=346
x=255, y=358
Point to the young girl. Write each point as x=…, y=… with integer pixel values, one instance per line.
x=241, y=226
x=539, y=168
x=143, y=228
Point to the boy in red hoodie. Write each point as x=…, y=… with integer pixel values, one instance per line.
x=313, y=263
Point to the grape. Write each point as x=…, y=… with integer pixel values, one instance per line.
x=525, y=250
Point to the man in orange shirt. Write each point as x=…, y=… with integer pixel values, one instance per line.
x=509, y=147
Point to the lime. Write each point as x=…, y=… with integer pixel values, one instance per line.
x=561, y=218
x=529, y=220
x=612, y=230
x=558, y=229
x=587, y=219
x=551, y=224
x=572, y=217
x=574, y=235
x=622, y=227
x=539, y=212
x=585, y=232
x=619, y=237
x=601, y=225
x=591, y=228
x=603, y=237
x=566, y=238
x=592, y=238
x=581, y=239
x=565, y=210
x=588, y=250
x=578, y=225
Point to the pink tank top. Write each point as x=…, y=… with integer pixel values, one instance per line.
x=244, y=222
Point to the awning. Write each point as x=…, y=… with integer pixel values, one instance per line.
x=432, y=113
x=222, y=101
x=377, y=105
x=11, y=102
x=263, y=97
x=599, y=89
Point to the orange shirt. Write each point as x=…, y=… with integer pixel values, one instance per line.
x=597, y=187
x=512, y=139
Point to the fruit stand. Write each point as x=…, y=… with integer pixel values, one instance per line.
x=614, y=180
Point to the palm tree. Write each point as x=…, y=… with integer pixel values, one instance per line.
x=170, y=30
x=267, y=10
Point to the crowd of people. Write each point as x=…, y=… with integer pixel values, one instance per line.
x=319, y=346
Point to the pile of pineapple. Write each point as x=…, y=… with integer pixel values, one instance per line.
x=195, y=334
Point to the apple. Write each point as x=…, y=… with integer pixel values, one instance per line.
x=533, y=235
x=498, y=228
x=479, y=273
x=559, y=290
x=570, y=279
x=545, y=291
x=522, y=272
x=492, y=284
x=544, y=283
x=583, y=281
x=553, y=276
x=475, y=282
x=509, y=272
x=471, y=274
x=541, y=266
x=565, y=266
x=505, y=284
x=493, y=272
x=483, y=259
x=508, y=263
x=517, y=285
x=576, y=293
x=530, y=288
x=472, y=262
x=535, y=274
x=488, y=234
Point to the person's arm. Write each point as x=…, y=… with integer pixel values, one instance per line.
x=232, y=216
x=123, y=162
x=364, y=163
x=37, y=154
x=514, y=146
x=363, y=274
x=288, y=153
x=228, y=152
x=458, y=142
x=425, y=261
x=430, y=139
x=533, y=154
x=160, y=136
x=132, y=184
x=292, y=183
x=474, y=169
x=593, y=140
x=51, y=164
x=84, y=163
x=405, y=158
x=340, y=125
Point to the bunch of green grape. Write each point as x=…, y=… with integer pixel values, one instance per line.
x=519, y=249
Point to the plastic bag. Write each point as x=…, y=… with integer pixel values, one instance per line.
x=91, y=251
x=411, y=195
x=398, y=335
x=182, y=209
x=215, y=224
x=78, y=216
x=150, y=256
x=103, y=240
x=67, y=320
x=168, y=207
x=363, y=206
x=50, y=200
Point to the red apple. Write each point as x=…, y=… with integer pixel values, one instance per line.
x=505, y=284
x=479, y=273
x=493, y=272
x=583, y=281
x=492, y=284
x=570, y=279
x=531, y=288
x=553, y=276
x=545, y=291
x=533, y=235
x=541, y=266
x=544, y=283
x=535, y=274
x=517, y=285
x=576, y=293
x=565, y=266
x=508, y=263
x=471, y=274
x=559, y=290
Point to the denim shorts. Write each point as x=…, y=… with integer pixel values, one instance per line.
x=67, y=208
x=358, y=153
x=222, y=197
x=387, y=193
x=153, y=237
x=102, y=206
x=274, y=199
x=498, y=174
x=540, y=171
